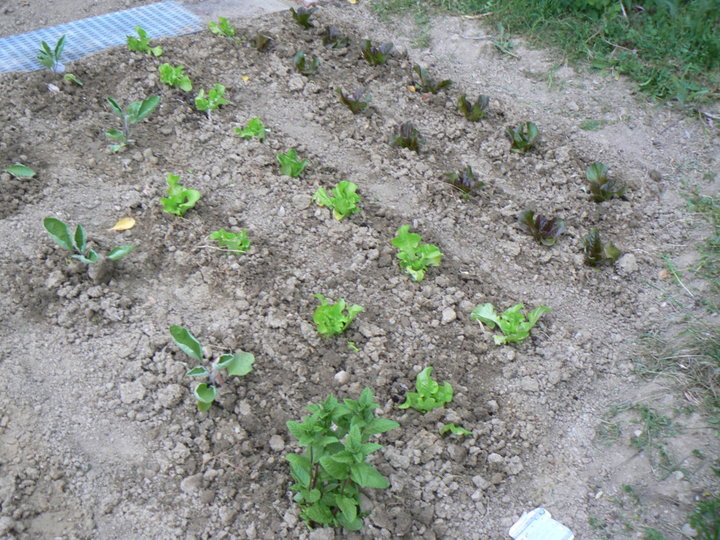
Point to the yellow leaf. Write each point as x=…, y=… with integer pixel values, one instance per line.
x=124, y=224
x=353, y=1
x=411, y=88
x=245, y=78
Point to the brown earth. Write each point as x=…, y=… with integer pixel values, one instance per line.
x=99, y=434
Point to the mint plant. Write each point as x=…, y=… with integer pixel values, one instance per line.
x=332, y=319
x=357, y=101
x=465, y=180
x=135, y=112
x=430, y=394
x=20, y=171
x=77, y=243
x=212, y=101
x=238, y=364
x=306, y=65
x=513, y=323
x=415, y=257
x=50, y=57
x=332, y=38
x=522, y=137
x=222, y=28
x=179, y=199
x=332, y=469
x=375, y=55
x=234, y=242
x=290, y=164
x=596, y=252
x=253, y=129
x=343, y=201
x=406, y=136
x=426, y=84
x=302, y=16
x=473, y=111
x=603, y=188
x=545, y=231
x=175, y=76
x=142, y=43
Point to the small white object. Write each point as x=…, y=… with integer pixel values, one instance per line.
x=539, y=525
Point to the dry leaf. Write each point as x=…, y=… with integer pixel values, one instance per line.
x=245, y=78
x=663, y=274
x=411, y=88
x=353, y=1
x=124, y=224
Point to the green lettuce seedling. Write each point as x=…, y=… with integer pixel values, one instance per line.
x=302, y=16
x=430, y=394
x=513, y=323
x=212, y=101
x=357, y=101
x=522, y=137
x=602, y=187
x=376, y=55
x=135, y=112
x=179, y=199
x=253, y=129
x=406, y=136
x=306, y=65
x=222, y=28
x=50, y=57
x=175, y=76
x=332, y=319
x=426, y=84
x=77, y=243
x=473, y=111
x=142, y=43
x=454, y=430
x=290, y=164
x=333, y=468
x=20, y=171
x=596, y=252
x=545, y=231
x=234, y=242
x=343, y=201
x=240, y=363
x=415, y=257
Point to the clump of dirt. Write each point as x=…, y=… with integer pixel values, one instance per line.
x=100, y=433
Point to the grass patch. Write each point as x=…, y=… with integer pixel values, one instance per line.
x=670, y=48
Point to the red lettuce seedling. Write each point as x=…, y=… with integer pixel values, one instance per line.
x=261, y=42
x=302, y=16
x=306, y=65
x=430, y=394
x=375, y=55
x=426, y=84
x=465, y=180
x=406, y=136
x=512, y=322
x=522, y=137
x=332, y=38
x=545, y=231
x=357, y=101
x=597, y=253
x=473, y=111
x=602, y=187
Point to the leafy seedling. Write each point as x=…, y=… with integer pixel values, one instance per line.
x=430, y=394
x=473, y=111
x=522, y=137
x=50, y=57
x=212, y=101
x=596, y=253
x=20, y=171
x=222, y=28
x=332, y=469
x=142, y=43
x=603, y=188
x=465, y=180
x=175, y=76
x=375, y=55
x=302, y=16
x=234, y=242
x=179, y=199
x=71, y=78
x=290, y=164
x=513, y=323
x=406, y=136
x=332, y=319
x=415, y=257
x=357, y=101
x=454, y=430
x=77, y=243
x=343, y=200
x=240, y=363
x=253, y=129
x=332, y=38
x=135, y=112
x=261, y=42
x=545, y=231
x=306, y=65
x=426, y=84
x=502, y=42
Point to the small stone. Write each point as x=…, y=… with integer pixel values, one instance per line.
x=7, y=524
x=627, y=264
x=655, y=175
x=495, y=459
x=342, y=377
x=277, y=444
x=191, y=484
x=131, y=392
x=448, y=315
x=493, y=406
x=322, y=534
x=301, y=201
x=169, y=396
x=296, y=83
x=480, y=482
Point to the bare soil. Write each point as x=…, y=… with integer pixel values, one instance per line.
x=99, y=433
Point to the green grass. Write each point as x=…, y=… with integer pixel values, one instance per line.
x=670, y=48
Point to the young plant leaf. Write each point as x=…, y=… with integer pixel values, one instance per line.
x=306, y=65
x=187, y=342
x=222, y=28
x=59, y=232
x=332, y=38
x=205, y=394
x=331, y=318
x=118, y=253
x=426, y=84
x=545, y=231
x=464, y=180
x=603, y=188
x=20, y=171
x=406, y=136
x=175, y=76
x=522, y=137
x=240, y=363
x=80, y=239
x=357, y=101
x=596, y=252
x=302, y=16
x=234, y=242
x=455, y=430
x=179, y=199
x=375, y=55
x=198, y=371
x=475, y=111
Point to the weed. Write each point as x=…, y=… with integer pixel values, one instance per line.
x=142, y=43
x=592, y=125
x=134, y=113
x=69, y=77
x=50, y=57
x=705, y=519
x=502, y=42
